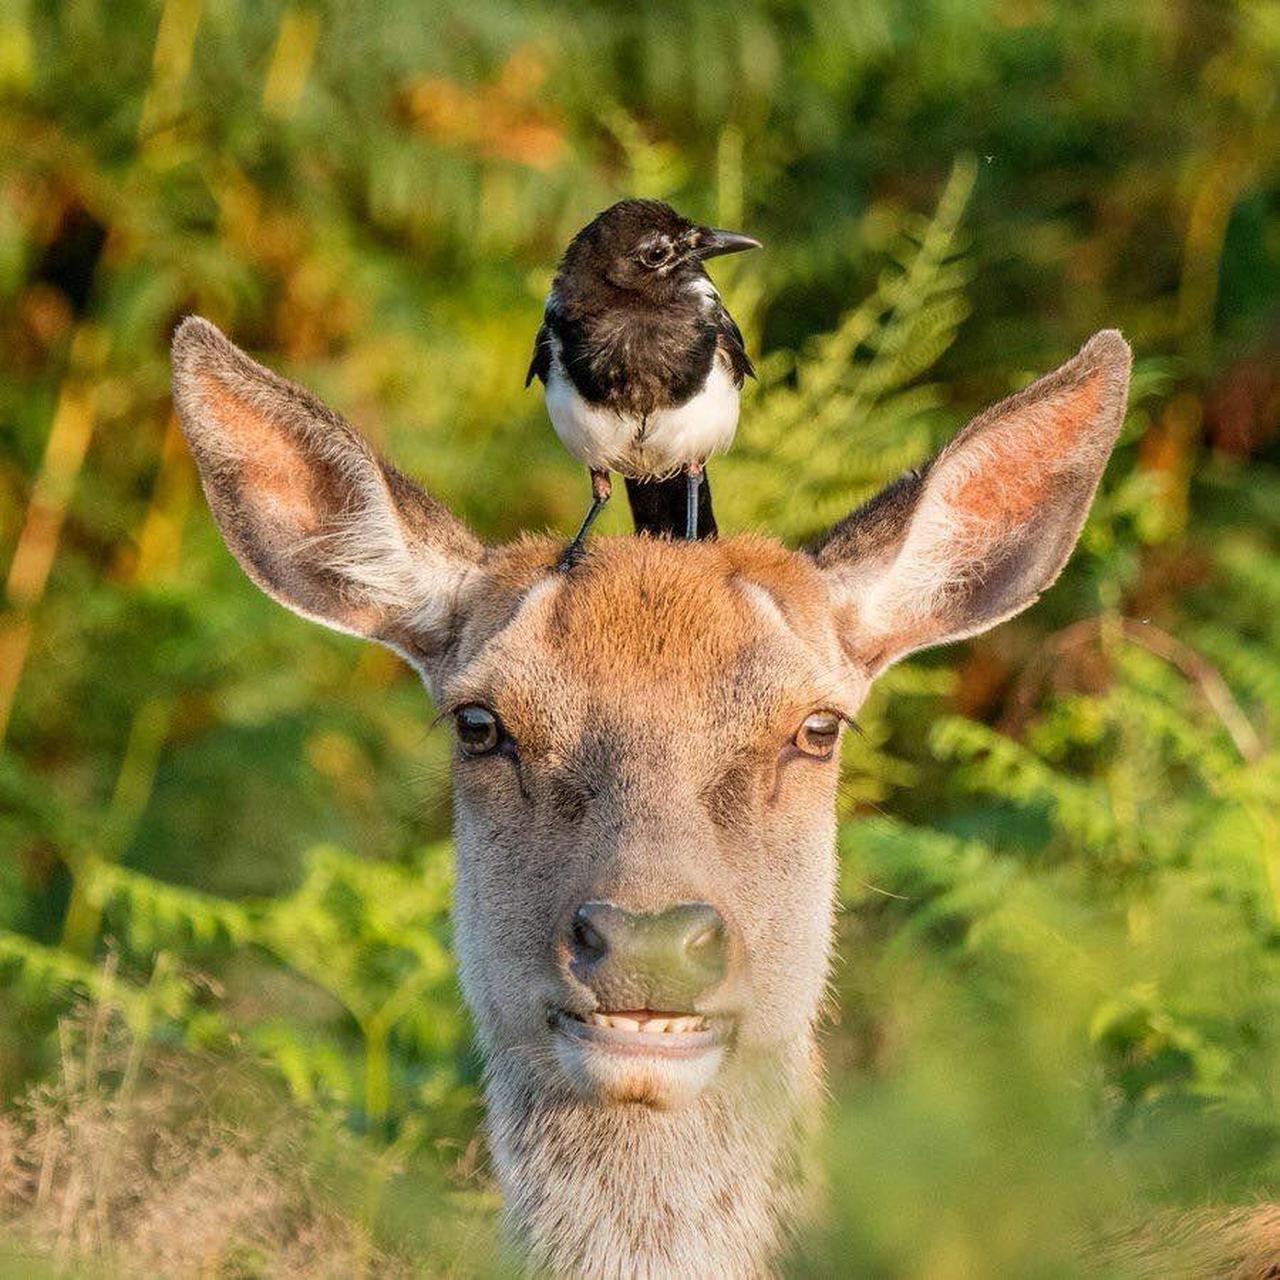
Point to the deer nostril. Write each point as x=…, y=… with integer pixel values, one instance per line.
x=588, y=943
x=706, y=947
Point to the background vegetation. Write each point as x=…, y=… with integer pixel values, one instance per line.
x=230, y=1043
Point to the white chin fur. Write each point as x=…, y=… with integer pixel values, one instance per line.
x=600, y=1075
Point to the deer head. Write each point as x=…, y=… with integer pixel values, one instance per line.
x=645, y=774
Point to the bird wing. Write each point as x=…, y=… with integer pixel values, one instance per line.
x=729, y=340
x=540, y=365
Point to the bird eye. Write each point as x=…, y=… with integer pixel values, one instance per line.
x=480, y=732
x=655, y=254
x=818, y=735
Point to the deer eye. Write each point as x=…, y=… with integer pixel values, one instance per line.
x=655, y=254
x=818, y=735
x=480, y=732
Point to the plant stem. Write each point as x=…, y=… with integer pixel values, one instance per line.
x=377, y=1069
x=134, y=784
x=37, y=546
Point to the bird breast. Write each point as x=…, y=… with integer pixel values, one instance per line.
x=660, y=443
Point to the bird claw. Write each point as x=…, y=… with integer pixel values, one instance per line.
x=571, y=555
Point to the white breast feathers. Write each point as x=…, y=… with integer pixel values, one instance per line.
x=663, y=443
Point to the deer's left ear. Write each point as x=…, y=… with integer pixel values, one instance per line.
x=977, y=534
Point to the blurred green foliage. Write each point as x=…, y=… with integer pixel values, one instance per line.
x=1061, y=843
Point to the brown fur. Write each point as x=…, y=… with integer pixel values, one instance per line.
x=1232, y=1244
x=652, y=696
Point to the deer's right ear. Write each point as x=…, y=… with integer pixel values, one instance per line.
x=313, y=515
x=976, y=534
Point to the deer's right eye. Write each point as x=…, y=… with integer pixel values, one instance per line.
x=479, y=730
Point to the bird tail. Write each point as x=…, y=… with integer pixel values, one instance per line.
x=658, y=506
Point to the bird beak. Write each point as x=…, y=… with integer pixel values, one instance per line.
x=711, y=243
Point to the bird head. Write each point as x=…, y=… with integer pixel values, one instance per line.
x=645, y=247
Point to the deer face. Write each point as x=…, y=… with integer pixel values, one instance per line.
x=645, y=769
x=645, y=823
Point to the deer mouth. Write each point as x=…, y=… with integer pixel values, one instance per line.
x=644, y=1031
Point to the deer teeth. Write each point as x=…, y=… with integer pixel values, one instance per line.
x=680, y=1024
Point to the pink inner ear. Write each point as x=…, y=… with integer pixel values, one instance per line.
x=272, y=471
x=1040, y=441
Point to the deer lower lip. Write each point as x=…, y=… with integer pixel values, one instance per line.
x=621, y=1039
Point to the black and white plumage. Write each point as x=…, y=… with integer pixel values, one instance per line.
x=641, y=362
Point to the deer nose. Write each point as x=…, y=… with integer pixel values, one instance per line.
x=653, y=960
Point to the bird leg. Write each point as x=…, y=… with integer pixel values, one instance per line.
x=601, y=490
x=693, y=482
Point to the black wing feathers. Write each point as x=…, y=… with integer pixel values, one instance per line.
x=729, y=340
x=540, y=365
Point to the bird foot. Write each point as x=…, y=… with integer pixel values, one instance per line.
x=601, y=489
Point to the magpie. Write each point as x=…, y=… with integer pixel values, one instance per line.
x=642, y=364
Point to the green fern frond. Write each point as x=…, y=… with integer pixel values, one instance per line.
x=51, y=969
x=847, y=413
x=158, y=914
x=314, y=1068
x=995, y=765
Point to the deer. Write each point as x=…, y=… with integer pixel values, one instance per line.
x=644, y=777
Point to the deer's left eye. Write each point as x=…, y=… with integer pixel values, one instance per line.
x=818, y=735
x=480, y=732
